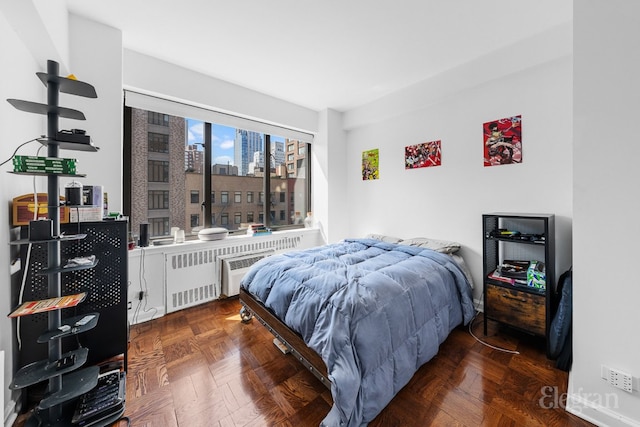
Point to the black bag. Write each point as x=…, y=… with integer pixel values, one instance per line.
x=560, y=339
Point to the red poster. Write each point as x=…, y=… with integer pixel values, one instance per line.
x=422, y=155
x=503, y=141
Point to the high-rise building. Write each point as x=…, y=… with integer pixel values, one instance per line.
x=246, y=143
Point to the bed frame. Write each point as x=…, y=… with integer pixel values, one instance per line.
x=251, y=307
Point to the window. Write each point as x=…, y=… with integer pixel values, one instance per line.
x=158, y=199
x=158, y=171
x=165, y=170
x=158, y=118
x=158, y=142
x=159, y=226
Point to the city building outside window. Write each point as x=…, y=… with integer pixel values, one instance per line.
x=167, y=167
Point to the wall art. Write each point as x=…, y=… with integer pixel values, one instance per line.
x=370, y=160
x=422, y=155
x=503, y=141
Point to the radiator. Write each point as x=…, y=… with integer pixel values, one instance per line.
x=232, y=268
x=196, y=276
x=190, y=279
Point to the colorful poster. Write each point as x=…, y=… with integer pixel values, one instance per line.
x=370, y=165
x=503, y=141
x=422, y=155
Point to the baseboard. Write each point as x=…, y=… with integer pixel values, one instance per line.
x=597, y=413
x=144, y=315
x=10, y=412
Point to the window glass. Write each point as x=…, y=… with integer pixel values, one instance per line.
x=168, y=169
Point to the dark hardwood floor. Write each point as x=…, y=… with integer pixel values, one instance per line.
x=203, y=367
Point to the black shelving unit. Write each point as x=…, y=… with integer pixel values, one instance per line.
x=526, y=237
x=63, y=369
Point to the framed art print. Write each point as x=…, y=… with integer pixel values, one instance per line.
x=503, y=141
x=370, y=162
x=422, y=155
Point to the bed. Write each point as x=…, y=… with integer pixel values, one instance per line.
x=362, y=314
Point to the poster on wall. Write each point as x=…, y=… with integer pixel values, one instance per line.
x=503, y=141
x=422, y=155
x=370, y=165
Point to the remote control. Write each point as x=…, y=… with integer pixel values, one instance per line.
x=85, y=320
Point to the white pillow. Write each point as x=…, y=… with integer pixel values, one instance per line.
x=384, y=238
x=444, y=246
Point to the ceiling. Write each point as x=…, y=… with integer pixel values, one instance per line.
x=336, y=54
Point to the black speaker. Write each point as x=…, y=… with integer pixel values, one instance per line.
x=144, y=235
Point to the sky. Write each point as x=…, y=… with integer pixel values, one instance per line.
x=222, y=140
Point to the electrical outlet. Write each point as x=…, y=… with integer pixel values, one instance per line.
x=618, y=378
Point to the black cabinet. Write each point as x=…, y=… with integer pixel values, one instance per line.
x=105, y=284
x=520, y=299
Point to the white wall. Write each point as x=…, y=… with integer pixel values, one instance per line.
x=16, y=81
x=606, y=226
x=447, y=201
x=96, y=58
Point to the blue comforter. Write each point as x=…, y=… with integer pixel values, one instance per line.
x=374, y=311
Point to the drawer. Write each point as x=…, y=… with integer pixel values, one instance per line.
x=516, y=308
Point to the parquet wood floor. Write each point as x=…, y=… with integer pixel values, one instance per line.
x=203, y=367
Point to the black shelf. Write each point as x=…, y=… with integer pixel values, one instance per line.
x=71, y=322
x=44, y=369
x=70, y=86
x=70, y=175
x=62, y=238
x=66, y=145
x=63, y=269
x=73, y=385
x=45, y=109
x=519, y=306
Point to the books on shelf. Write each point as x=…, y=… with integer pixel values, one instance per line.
x=258, y=229
x=529, y=274
x=34, y=307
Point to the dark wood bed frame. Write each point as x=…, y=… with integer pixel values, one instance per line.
x=251, y=307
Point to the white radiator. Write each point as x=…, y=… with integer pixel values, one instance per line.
x=190, y=279
x=195, y=276
x=232, y=269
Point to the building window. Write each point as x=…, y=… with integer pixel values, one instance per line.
x=195, y=196
x=195, y=220
x=158, y=142
x=159, y=226
x=158, y=171
x=302, y=149
x=237, y=218
x=158, y=199
x=158, y=118
x=282, y=215
x=166, y=172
